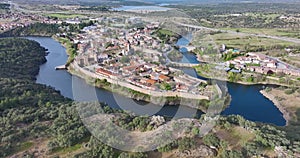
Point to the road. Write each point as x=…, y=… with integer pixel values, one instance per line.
x=293, y=40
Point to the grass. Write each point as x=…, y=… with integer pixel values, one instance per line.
x=70, y=150
x=70, y=51
x=63, y=15
x=293, y=33
x=25, y=146
x=236, y=137
x=245, y=42
x=295, y=61
x=166, y=32
x=209, y=71
x=67, y=150
x=22, y=147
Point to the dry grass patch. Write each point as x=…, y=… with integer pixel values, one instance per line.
x=291, y=102
x=236, y=137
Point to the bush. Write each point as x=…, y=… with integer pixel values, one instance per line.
x=268, y=89
x=186, y=143
x=211, y=140
x=289, y=91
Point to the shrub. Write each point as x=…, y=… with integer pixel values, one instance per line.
x=268, y=89
x=289, y=91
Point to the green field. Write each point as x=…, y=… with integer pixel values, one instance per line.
x=243, y=42
x=166, y=32
x=67, y=150
x=292, y=33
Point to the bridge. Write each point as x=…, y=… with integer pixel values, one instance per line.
x=182, y=64
x=189, y=48
x=195, y=27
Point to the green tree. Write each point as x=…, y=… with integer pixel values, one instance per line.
x=211, y=140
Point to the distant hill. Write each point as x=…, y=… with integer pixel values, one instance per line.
x=222, y=1
x=147, y=2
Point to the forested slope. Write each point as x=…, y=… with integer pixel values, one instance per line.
x=37, y=29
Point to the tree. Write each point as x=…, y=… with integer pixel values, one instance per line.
x=186, y=143
x=211, y=140
x=124, y=59
x=195, y=130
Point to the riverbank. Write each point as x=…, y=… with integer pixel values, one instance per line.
x=283, y=109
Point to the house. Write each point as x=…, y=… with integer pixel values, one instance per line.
x=102, y=56
x=272, y=64
x=280, y=71
x=238, y=60
x=72, y=21
x=106, y=73
x=261, y=57
x=182, y=88
x=151, y=82
x=248, y=61
x=154, y=76
x=239, y=66
x=164, y=78
x=129, y=69
x=165, y=72
x=80, y=61
x=157, y=69
x=255, y=61
x=148, y=82
x=251, y=68
x=145, y=74
x=295, y=72
x=259, y=69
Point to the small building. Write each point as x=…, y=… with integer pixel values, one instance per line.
x=151, y=82
x=165, y=72
x=154, y=76
x=106, y=73
x=182, y=88
x=272, y=64
x=164, y=78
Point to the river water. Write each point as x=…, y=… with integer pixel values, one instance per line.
x=187, y=56
x=246, y=100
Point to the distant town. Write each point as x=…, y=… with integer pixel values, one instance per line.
x=12, y=20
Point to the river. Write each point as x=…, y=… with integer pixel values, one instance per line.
x=187, y=56
x=246, y=100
